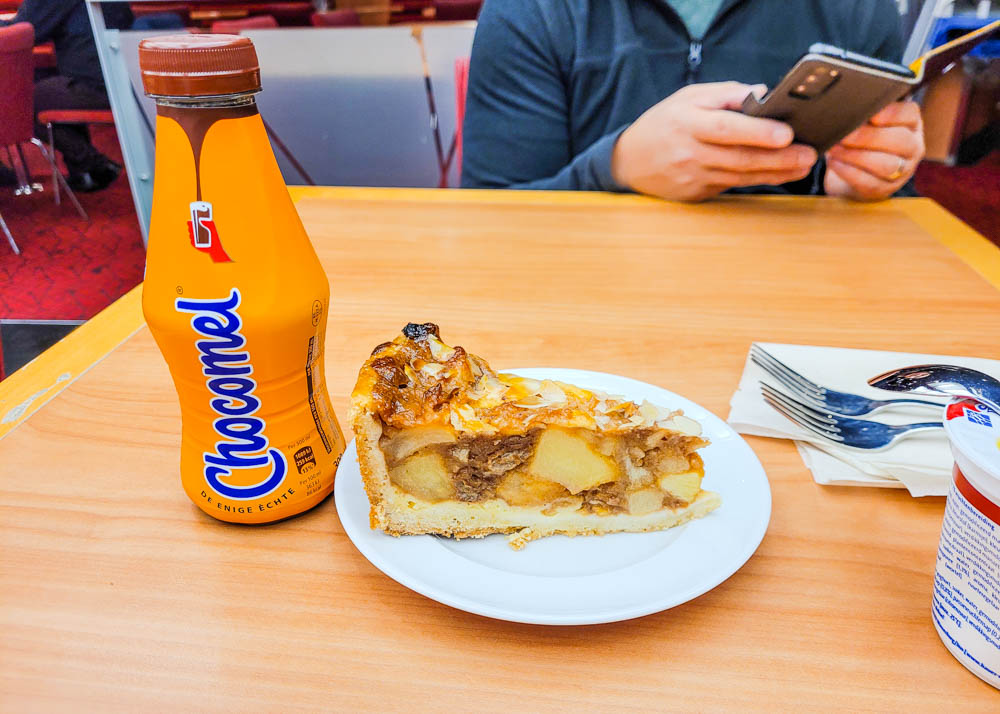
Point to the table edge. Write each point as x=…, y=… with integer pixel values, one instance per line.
x=975, y=249
x=28, y=389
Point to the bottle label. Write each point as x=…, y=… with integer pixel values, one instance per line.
x=312, y=383
x=966, y=606
x=242, y=444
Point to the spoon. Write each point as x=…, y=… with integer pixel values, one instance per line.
x=942, y=379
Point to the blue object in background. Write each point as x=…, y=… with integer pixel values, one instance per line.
x=947, y=29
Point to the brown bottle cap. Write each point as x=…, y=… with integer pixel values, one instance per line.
x=198, y=65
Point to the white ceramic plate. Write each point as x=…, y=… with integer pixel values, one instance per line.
x=589, y=579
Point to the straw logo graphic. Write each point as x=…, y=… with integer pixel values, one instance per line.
x=971, y=410
x=203, y=233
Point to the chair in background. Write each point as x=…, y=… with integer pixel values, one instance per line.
x=336, y=18
x=44, y=55
x=71, y=116
x=255, y=22
x=461, y=87
x=17, y=109
x=453, y=10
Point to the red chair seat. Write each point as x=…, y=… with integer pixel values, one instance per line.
x=76, y=116
x=45, y=55
x=255, y=22
x=144, y=8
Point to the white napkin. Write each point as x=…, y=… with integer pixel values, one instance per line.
x=921, y=464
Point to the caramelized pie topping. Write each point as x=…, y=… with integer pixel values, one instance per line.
x=454, y=430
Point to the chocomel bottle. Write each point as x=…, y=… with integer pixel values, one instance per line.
x=234, y=293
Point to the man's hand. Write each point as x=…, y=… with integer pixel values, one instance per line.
x=875, y=160
x=691, y=147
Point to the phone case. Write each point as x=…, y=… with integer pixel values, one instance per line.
x=821, y=121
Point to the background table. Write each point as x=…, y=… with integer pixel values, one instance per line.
x=117, y=593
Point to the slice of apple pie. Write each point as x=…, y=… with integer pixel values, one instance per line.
x=447, y=446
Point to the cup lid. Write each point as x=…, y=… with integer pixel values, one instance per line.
x=199, y=65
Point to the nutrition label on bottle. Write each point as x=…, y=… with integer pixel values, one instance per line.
x=966, y=606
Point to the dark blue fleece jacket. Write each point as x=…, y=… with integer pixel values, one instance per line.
x=553, y=83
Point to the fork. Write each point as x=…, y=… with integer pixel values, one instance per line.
x=841, y=403
x=856, y=433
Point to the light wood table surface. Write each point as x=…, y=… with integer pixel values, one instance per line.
x=118, y=594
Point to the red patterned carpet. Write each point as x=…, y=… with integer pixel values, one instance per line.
x=69, y=269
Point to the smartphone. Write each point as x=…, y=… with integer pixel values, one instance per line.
x=830, y=92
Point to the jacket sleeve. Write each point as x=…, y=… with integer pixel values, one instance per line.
x=516, y=132
x=45, y=15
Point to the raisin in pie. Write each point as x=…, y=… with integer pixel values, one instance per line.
x=448, y=446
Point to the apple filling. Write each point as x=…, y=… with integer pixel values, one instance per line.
x=634, y=472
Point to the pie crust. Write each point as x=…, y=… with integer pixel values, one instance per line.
x=447, y=446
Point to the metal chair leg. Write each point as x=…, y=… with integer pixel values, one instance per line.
x=58, y=174
x=30, y=185
x=10, y=238
x=52, y=163
x=23, y=188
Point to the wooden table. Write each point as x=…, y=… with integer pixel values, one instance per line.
x=118, y=594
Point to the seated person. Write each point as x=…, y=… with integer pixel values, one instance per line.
x=78, y=84
x=615, y=95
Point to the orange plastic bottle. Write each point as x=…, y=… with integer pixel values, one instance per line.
x=234, y=294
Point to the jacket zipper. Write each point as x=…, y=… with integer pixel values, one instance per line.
x=693, y=62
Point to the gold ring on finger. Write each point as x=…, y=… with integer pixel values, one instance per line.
x=899, y=169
